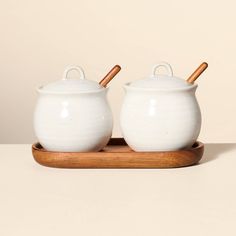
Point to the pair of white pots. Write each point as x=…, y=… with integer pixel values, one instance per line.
x=159, y=113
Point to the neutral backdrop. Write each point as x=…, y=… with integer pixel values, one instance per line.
x=38, y=38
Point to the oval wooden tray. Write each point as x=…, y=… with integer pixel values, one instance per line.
x=117, y=154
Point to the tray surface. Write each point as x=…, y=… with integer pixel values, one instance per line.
x=117, y=154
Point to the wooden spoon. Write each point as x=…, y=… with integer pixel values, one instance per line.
x=111, y=74
x=197, y=73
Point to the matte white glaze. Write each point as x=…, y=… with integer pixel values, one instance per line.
x=73, y=120
x=160, y=119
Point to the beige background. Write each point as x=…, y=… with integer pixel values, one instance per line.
x=39, y=38
x=194, y=201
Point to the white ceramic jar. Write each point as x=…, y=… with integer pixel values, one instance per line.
x=160, y=113
x=73, y=115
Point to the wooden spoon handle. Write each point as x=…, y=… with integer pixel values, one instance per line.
x=111, y=74
x=197, y=73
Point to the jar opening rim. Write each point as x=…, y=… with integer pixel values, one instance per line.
x=42, y=91
x=190, y=87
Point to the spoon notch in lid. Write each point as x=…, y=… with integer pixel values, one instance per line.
x=197, y=73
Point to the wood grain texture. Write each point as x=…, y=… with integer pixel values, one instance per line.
x=197, y=73
x=110, y=75
x=118, y=155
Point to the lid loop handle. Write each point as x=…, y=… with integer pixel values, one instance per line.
x=73, y=67
x=162, y=64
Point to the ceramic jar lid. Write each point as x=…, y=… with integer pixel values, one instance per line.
x=71, y=85
x=159, y=81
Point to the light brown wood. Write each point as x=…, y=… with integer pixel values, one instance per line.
x=118, y=155
x=110, y=75
x=197, y=73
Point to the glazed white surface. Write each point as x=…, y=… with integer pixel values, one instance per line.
x=73, y=122
x=160, y=118
x=73, y=115
x=160, y=121
x=160, y=81
x=70, y=84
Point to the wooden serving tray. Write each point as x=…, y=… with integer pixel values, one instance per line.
x=117, y=154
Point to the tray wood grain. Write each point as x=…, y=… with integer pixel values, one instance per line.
x=117, y=154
